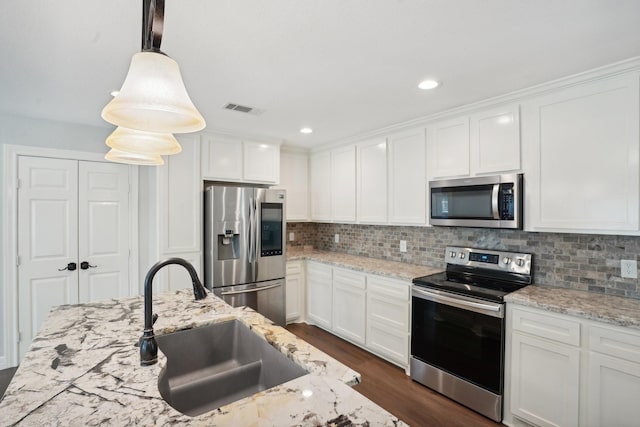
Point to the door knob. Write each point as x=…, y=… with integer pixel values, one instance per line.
x=85, y=265
x=71, y=266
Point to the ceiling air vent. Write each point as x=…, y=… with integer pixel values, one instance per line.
x=243, y=109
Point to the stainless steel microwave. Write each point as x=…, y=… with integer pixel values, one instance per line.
x=488, y=201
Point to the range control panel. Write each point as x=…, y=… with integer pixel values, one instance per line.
x=485, y=258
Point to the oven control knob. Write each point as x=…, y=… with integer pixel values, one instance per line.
x=519, y=262
x=452, y=254
x=506, y=260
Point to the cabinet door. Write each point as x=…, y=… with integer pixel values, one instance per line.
x=294, y=178
x=372, y=182
x=343, y=184
x=321, y=186
x=319, y=294
x=221, y=158
x=349, y=305
x=580, y=152
x=261, y=162
x=495, y=140
x=407, y=178
x=613, y=391
x=448, y=148
x=544, y=381
x=294, y=287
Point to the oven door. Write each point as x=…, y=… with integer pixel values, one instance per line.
x=460, y=335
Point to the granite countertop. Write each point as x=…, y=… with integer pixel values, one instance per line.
x=83, y=368
x=392, y=269
x=589, y=305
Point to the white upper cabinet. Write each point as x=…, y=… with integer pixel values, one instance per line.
x=407, y=178
x=372, y=182
x=495, y=140
x=221, y=158
x=448, y=148
x=228, y=159
x=294, y=172
x=580, y=158
x=343, y=184
x=320, y=187
x=261, y=162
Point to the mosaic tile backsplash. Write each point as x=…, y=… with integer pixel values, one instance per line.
x=579, y=261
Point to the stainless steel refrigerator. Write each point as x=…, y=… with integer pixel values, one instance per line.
x=244, y=248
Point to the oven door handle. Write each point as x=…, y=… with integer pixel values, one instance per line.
x=494, y=310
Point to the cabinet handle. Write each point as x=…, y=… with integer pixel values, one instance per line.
x=71, y=266
x=85, y=265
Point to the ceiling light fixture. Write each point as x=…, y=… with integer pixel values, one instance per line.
x=153, y=102
x=120, y=156
x=306, y=130
x=428, y=84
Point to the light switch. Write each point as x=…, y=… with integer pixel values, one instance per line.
x=336, y=238
x=403, y=246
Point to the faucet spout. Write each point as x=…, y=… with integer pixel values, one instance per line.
x=148, y=345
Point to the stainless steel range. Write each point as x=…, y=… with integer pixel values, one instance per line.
x=457, y=325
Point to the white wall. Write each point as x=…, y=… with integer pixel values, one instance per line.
x=17, y=130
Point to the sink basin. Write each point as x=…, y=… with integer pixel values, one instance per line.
x=213, y=365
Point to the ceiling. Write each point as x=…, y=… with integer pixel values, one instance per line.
x=341, y=67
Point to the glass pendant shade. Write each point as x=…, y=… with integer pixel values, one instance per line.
x=115, y=155
x=140, y=142
x=153, y=98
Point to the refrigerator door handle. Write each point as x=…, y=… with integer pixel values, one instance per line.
x=246, y=291
x=252, y=230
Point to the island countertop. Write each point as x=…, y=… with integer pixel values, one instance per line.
x=83, y=368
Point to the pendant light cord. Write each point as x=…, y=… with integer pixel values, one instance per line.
x=152, y=25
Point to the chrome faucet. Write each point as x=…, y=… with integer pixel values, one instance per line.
x=148, y=345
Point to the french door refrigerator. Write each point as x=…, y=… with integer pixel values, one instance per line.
x=244, y=248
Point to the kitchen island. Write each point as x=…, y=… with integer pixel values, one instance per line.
x=83, y=368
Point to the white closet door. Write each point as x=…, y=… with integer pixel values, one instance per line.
x=47, y=240
x=103, y=224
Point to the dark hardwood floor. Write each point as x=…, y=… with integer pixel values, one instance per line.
x=389, y=387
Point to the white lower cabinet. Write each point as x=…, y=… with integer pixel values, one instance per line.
x=349, y=314
x=388, y=303
x=368, y=310
x=294, y=291
x=545, y=381
x=566, y=371
x=319, y=294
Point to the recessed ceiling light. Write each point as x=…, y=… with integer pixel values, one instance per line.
x=306, y=130
x=428, y=84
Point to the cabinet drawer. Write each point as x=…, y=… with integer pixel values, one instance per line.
x=389, y=287
x=622, y=344
x=388, y=311
x=547, y=326
x=349, y=278
x=319, y=270
x=294, y=267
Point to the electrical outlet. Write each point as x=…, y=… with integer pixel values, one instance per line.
x=336, y=238
x=291, y=236
x=403, y=246
x=629, y=268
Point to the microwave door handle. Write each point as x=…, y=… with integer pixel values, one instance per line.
x=494, y=201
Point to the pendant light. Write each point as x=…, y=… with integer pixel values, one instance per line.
x=140, y=142
x=153, y=102
x=119, y=156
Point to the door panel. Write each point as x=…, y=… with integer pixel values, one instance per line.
x=69, y=212
x=103, y=223
x=47, y=240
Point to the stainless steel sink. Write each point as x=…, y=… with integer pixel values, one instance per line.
x=213, y=365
